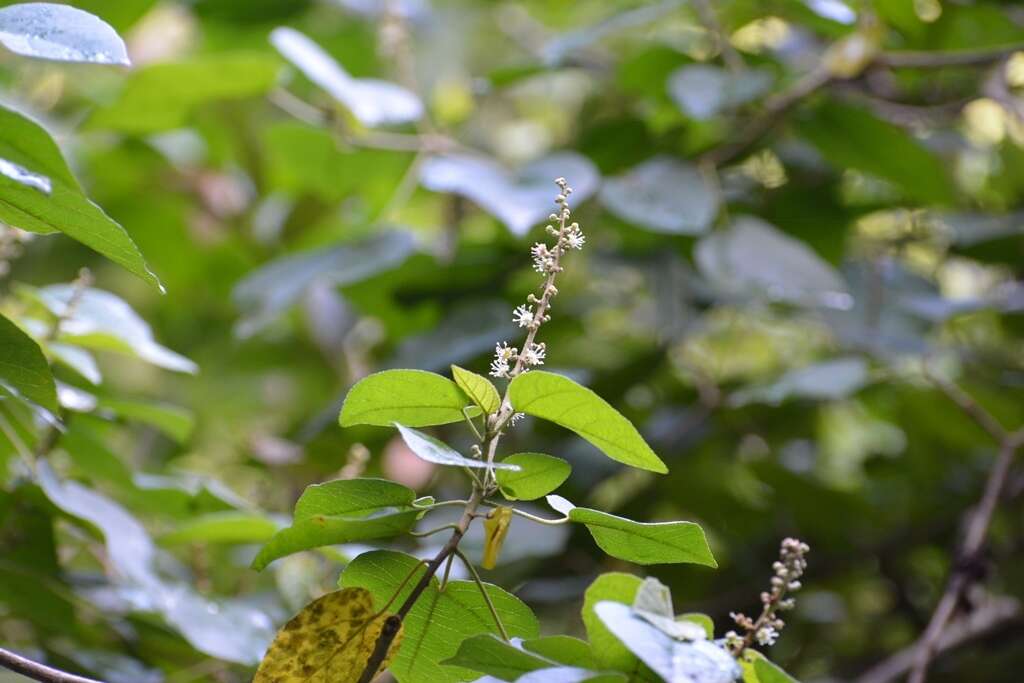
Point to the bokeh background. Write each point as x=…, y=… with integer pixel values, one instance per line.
x=802, y=217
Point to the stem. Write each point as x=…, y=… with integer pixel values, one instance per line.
x=387, y=636
x=483, y=591
x=423, y=534
x=37, y=671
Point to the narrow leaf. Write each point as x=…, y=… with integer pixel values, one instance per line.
x=539, y=475
x=413, y=397
x=432, y=450
x=478, y=388
x=65, y=208
x=646, y=543
x=340, y=512
x=560, y=400
x=23, y=367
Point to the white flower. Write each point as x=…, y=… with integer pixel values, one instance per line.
x=516, y=417
x=535, y=354
x=766, y=635
x=523, y=316
x=499, y=368
x=574, y=238
x=543, y=259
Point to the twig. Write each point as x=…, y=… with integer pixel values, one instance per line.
x=981, y=621
x=910, y=59
x=37, y=671
x=977, y=522
x=730, y=56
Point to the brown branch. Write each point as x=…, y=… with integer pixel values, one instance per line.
x=977, y=522
x=996, y=614
x=38, y=672
x=388, y=633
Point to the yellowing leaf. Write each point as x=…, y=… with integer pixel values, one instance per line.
x=329, y=641
x=495, y=530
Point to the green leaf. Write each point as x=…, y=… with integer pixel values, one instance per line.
x=340, y=512
x=102, y=320
x=768, y=672
x=564, y=650
x=163, y=96
x=880, y=148
x=439, y=620
x=608, y=650
x=432, y=450
x=413, y=397
x=46, y=30
x=646, y=543
x=23, y=367
x=702, y=620
x=174, y=421
x=478, y=388
x=566, y=403
x=490, y=655
x=663, y=195
x=538, y=475
x=65, y=208
x=229, y=526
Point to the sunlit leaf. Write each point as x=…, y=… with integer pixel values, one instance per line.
x=521, y=198
x=440, y=620
x=373, y=102
x=609, y=650
x=64, y=207
x=440, y=453
x=663, y=195
x=560, y=400
x=343, y=511
x=411, y=397
x=646, y=543
x=23, y=367
x=101, y=320
x=538, y=475
x=478, y=388
x=699, y=661
x=50, y=31
x=330, y=641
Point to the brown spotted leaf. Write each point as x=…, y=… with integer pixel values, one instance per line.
x=329, y=641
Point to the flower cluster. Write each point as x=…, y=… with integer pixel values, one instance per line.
x=765, y=630
x=509, y=361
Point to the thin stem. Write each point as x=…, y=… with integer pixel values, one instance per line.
x=447, y=571
x=483, y=592
x=424, y=534
x=37, y=671
x=443, y=503
x=472, y=425
x=533, y=518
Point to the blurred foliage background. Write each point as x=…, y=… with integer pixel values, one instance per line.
x=803, y=219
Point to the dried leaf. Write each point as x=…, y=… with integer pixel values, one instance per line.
x=495, y=529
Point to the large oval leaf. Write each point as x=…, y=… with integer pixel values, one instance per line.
x=560, y=400
x=342, y=511
x=440, y=620
x=646, y=543
x=23, y=367
x=330, y=641
x=65, y=208
x=412, y=397
x=478, y=388
x=50, y=31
